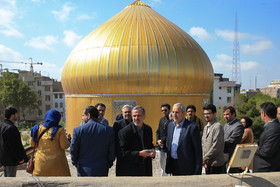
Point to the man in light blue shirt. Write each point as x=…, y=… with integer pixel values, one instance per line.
x=184, y=152
x=175, y=141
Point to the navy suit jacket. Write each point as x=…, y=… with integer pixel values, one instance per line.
x=267, y=157
x=189, y=149
x=93, y=148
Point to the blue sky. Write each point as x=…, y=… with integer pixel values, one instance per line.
x=48, y=30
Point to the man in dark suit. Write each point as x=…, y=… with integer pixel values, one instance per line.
x=118, y=125
x=161, y=135
x=184, y=152
x=93, y=145
x=12, y=152
x=136, y=146
x=267, y=156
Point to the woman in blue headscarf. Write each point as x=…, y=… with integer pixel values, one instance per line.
x=50, y=159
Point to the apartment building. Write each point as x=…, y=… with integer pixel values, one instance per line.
x=224, y=91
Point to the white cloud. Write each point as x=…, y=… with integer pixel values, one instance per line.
x=50, y=69
x=42, y=42
x=84, y=17
x=228, y=35
x=200, y=33
x=245, y=66
x=222, y=63
x=154, y=3
x=71, y=38
x=9, y=54
x=12, y=32
x=8, y=12
x=64, y=13
x=257, y=47
x=47, y=69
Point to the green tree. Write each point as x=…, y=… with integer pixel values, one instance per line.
x=250, y=107
x=14, y=92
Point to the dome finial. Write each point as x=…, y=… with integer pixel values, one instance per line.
x=138, y=3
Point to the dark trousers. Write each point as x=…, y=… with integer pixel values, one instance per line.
x=175, y=167
x=216, y=170
x=10, y=171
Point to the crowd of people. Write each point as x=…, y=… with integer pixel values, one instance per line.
x=185, y=144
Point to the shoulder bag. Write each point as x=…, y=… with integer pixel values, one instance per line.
x=30, y=164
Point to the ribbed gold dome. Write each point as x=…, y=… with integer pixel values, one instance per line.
x=138, y=51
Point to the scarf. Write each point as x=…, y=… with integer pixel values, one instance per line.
x=52, y=119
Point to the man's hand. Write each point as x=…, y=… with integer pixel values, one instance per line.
x=205, y=164
x=21, y=161
x=160, y=143
x=68, y=136
x=147, y=153
x=152, y=153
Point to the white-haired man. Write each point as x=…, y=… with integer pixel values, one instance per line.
x=184, y=152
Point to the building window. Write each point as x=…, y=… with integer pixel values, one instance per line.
x=228, y=99
x=56, y=105
x=39, y=92
x=47, y=98
x=39, y=112
x=39, y=103
x=38, y=83
x=47, y=88
x=61, y=96
x=220, y=98
x=55, y=96
x=228, y=89
x=48, y=107
x=30, y=83
x=61, y=105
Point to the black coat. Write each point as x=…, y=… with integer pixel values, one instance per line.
x=11, y=149
x=267, y=157
x=118, y=125
x=161, y=132
x=130, y=145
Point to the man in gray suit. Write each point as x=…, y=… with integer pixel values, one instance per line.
x=233, y=133
x=213, y=142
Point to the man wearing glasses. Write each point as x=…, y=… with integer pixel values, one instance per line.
x=161, y=134
x=213, y=142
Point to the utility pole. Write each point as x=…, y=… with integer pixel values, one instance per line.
x=236, y=70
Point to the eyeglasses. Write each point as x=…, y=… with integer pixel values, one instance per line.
x=207, y=114
x=164, y=110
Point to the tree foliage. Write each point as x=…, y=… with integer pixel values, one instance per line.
x=250, y=107
x=15, y=92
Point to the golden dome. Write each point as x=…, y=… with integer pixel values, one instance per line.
x=138, y=51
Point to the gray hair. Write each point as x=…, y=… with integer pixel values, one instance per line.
x=183, y=108
x=126, y=106
x=139, y=107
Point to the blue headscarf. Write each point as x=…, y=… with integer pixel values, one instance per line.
x=52, y=119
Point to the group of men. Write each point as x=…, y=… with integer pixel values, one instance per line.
x=183, y=152
x=185, y=145
x=95, y=144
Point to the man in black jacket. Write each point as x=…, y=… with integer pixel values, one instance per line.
x=118, y=125
x=267, y=156
x=161, y=135
x=136, y=146
x=12, y=152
